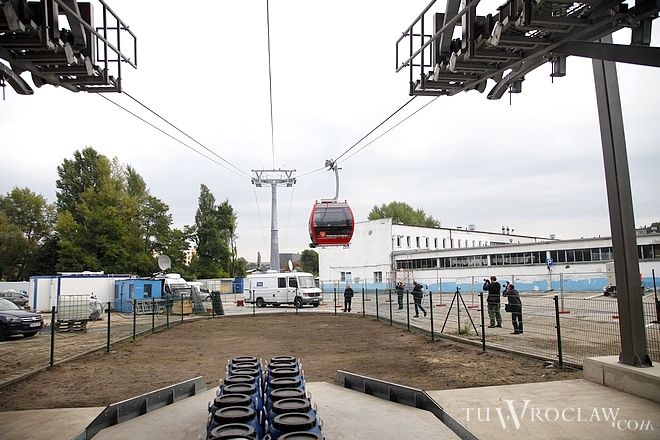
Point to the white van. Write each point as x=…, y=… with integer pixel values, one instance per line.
x=276, y=288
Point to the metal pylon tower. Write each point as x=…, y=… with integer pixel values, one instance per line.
x=274, y=178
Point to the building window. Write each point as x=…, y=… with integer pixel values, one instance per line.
x=147, y=291
x=472, y=243
x=398, y=241
x=344, y=276
x=435, y=243
x=451, y=243
x=408, y=240
x=131, y=291
x=417, y=242
x=444, y=243
x=427, y=242
x=459, y=243
x=378, y=277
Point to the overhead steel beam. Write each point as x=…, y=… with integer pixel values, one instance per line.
x=16, y=82
x=619, y=53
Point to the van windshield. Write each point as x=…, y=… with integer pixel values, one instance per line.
x=306, y=282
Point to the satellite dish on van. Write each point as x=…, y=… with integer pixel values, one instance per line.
x=290, y=266
x=164, y=262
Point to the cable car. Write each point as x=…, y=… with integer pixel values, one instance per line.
x=331, y=222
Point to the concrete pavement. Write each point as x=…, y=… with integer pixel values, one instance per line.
x=575, y=409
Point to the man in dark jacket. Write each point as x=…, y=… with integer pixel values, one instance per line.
x=348, y=296
x=399, y=294
x=493, y=300
x=515, y=307
x=418, y=294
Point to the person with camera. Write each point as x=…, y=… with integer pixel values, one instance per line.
x=514, y=307
x=399, y=294
x=493, y=287
x=418, y=294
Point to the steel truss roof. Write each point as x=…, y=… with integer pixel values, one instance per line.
x=518, y=38
x=78, y=58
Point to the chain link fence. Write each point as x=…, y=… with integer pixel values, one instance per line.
x=560, y=326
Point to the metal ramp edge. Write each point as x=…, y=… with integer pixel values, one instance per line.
x=128, y=409
x=404, y=395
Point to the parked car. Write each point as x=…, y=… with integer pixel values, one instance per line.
x=16, y=296
x=16, y=321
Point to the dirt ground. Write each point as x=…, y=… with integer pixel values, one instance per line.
x=323, y=343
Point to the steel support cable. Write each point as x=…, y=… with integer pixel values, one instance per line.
x=261, y=223
x=270, y=86
x=391, y=128
x=185, y=134
x=288, y=218
x=376, y=127
x=169, y=135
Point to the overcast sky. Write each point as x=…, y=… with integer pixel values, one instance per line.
x=535, y=166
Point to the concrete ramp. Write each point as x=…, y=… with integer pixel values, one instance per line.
x=346, y=414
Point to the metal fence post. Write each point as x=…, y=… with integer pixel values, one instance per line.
x=335, y=290
x=52, y=336
x=655, y=294
x=181, y=307
x=431, y=312
x=408, y=309
x=363, y=302
x=153, y=315
x=483, y=326
x=108, y=342
x=167, y=313
x=458, y=310
x=390, y=294
x=213, y=302
x=377, y=304
x=561, y=290
x=558, y=326
x=134, y=317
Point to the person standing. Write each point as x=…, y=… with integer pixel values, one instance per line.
x=348, y=296
x=515, y=307
x=493, y=300
x=418, y=294
x=399, y=294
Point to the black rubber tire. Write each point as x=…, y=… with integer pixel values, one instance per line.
x=31, y=334
x=315, y=304
x=298, y=302
x=261, y=302
x=3, y=333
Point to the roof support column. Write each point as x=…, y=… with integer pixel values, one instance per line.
x=622, y=221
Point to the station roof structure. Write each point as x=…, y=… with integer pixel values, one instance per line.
x=516, y=39
x=64, y=43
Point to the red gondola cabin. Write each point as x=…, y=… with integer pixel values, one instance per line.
x=331, y=223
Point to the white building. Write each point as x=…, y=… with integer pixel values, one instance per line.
x=446, y=258
x=370, y=257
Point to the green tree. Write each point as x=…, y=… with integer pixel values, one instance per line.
x=34, y=217
x=209, y=238
x=402, y=213
x=87, y=170
x=654, y=227
x=309, y=261
x=12, y=249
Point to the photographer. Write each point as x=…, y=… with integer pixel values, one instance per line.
x=493, y=300
x=514, y=307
